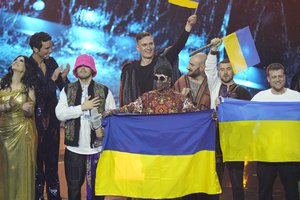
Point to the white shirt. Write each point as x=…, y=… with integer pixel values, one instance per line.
x=213, y=80
x=65, y=112
x=268, y=96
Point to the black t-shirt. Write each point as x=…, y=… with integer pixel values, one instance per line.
x=145, y=77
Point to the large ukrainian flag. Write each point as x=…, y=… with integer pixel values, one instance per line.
x=259, y=131
x=158, y=156
x=241, y=50
x=185, y=3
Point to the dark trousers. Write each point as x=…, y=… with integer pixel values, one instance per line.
x=235, y=171
x=267, y=172
x=198, y=196
x=75, y=170
x=47, y=164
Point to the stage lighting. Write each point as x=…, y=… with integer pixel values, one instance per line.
x=39, y=5
x=252, y=77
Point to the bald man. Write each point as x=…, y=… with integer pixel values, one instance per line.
x=194, y=83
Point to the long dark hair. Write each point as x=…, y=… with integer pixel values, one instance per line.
x=29, y=78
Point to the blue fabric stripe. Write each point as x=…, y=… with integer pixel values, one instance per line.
x=172, y=134
x=240, y=110
x=247, y=46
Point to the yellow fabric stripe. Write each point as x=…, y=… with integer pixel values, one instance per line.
x=155, y=176
x=184, y=3
x=264, y=140
x=234, y=53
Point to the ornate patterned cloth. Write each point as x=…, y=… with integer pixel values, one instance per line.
x=18, y=143
x=159, y=102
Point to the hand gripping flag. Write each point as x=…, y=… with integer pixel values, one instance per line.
x=158, y=156
x=259, y=131
x=241, y=49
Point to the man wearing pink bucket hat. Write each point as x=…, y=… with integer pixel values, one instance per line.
x=80, y=106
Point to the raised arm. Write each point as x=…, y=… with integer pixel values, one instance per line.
x=173, y=51
x=214, y=82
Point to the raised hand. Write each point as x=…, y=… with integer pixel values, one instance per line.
x=65, y=72
x=190, y=23
x=56, y=73
x=215, y=43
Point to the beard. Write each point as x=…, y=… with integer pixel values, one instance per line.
x=194, y=74
x=278, y=88
x=226, y=79
x=163, y=85
x=84, y=75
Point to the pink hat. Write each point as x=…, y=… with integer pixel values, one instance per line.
x=87, y=61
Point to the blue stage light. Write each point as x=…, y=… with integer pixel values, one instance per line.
x=252, y=77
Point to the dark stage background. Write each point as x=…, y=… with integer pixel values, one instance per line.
x=106, y=30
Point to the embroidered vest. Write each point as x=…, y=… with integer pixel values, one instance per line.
x=72, y=127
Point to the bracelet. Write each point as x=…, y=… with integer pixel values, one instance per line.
x=214, y=52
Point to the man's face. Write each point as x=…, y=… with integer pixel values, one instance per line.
x=196, y=67
x=84, y=72
x=163, y=82
x=225, y=72
x=146, y=47
x=276, y=79
x=45, y=51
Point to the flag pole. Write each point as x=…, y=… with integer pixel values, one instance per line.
x=201, y=49
x=196, y=10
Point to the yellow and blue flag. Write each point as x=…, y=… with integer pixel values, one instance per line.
x=185, y=3
x=158, y=156
x=241, y=50
x=259, y=131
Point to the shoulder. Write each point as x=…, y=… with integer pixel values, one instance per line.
x=99, y=84
x=261, y=95
x=183, y=77
x=127, y=66
x=293, y=92
x=245, y=94
x=71, y=86
x=101, y=87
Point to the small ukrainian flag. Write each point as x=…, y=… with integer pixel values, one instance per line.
x=241, y=49
x=185, y=3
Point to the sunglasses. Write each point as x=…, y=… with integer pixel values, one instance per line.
x=160, y=77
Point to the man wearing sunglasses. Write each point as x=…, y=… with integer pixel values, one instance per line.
x=162, y=100
x=136, y=76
